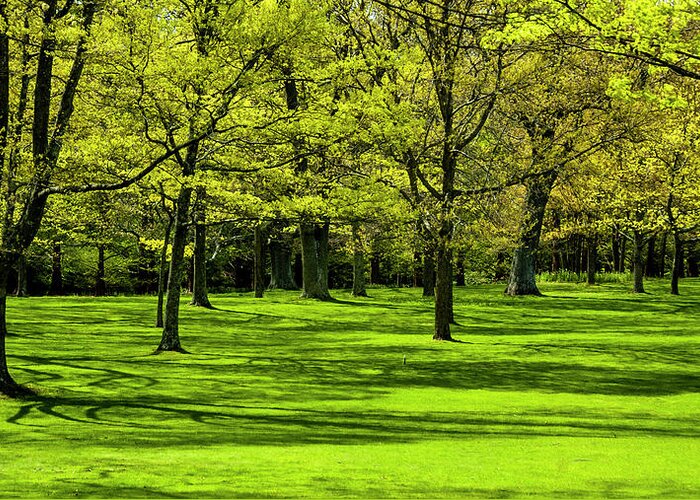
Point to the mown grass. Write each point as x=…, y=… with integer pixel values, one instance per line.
x=589, y=391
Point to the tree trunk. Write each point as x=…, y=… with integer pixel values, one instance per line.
x=638, y=263
x=522, y=274
x=100, y=285
x=281, y=266
x=21, y=290
x=358, y=269
x=258, y=262
x=163, y=273
x=651, y=269
x=556, y=244
x=592, y=260
x=143, y=274
x=693, y=271
x=578, y=255
x=623, y=255
x=429, y=278
x=616, y=251
x=314, y=257
x=417, y=270
x=443, y=291
x=8, y=386
x=662, y=257
x=170, y=340
x=678, y=258
x=56, y=271
x=322, y=231
x=200, y=293
x=374, y=270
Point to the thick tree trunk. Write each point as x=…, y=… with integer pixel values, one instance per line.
x=678, y=257
x=281, y=266
x=163, y=273
x=314, y=257
x=100, y=285
x=21, y=290
x=522, y=274
x=429, y=278
x=359, y=288
x=258, y=262
x=592, y=260
x=638, y=263
x=200, y=292
x=56, y=271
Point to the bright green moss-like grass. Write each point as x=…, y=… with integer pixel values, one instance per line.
x=588, y=391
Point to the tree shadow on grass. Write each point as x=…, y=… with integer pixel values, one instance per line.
x=213, y=404
x=163, y=422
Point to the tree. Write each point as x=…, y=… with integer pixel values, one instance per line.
x=28, y=181
x=562, y=115
x=200, y=295
x=659, y=34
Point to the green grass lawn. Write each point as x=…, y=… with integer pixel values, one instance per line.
x=589, y=391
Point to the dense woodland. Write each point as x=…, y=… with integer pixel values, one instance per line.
x=151, y=147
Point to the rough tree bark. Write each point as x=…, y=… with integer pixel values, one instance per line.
x=314, y=258
x=359, y=288
x=523, y=269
